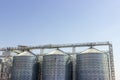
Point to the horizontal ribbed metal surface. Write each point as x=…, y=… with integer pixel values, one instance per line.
x=24, y=68
x=92, y=66
x=56, y=67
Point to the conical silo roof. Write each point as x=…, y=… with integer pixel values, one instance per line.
x=56, y=52
x=92, y=50
x=25, y=53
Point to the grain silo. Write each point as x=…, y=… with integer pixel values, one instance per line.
x=56, y=66
x=24, y=67
x=92, y=64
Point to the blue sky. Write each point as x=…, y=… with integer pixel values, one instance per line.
x=35, y=22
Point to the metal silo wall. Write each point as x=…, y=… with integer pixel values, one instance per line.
x=40, y=59
x=56, y=67
x=92, y=66
x=24, y=68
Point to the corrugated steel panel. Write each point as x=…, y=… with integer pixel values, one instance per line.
x=92, y=66
x=24, y=68
x=56, y=67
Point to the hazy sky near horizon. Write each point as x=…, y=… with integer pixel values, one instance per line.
x=35, y=22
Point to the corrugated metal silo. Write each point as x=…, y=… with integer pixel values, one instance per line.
x=92, y=64
x=56, y=66
x=24, y=67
